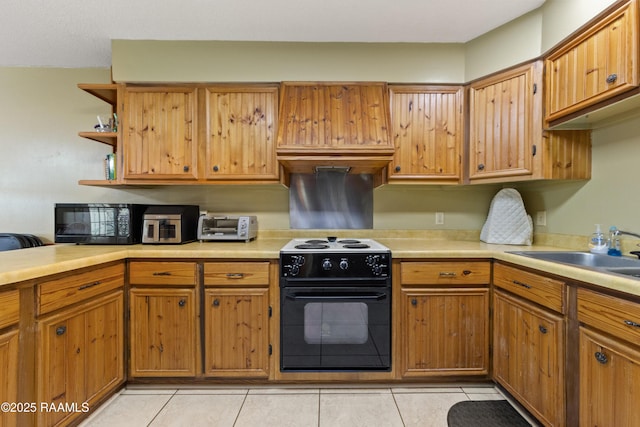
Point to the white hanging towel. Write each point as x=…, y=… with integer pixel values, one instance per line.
x=507, y=222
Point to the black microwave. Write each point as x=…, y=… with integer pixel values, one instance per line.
x=99, y=223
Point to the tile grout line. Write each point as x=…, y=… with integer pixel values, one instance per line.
x=393, y=396
x=241, y=406
x=163, y=406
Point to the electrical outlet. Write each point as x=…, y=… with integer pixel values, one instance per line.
x=439, y=218
x=541, y=218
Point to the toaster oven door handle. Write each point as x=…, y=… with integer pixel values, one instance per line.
x=235, y=275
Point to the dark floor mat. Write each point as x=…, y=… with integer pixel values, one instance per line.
x=485, y=413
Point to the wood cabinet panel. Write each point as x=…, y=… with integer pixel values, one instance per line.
x=529, y=355
x=350, y=117
x=80, y=356
x=236, y=273
x=445, y=332
x=241, y=132
x=445, y=273
x=161, y=273
x=615, y=316
x=550, y=293
x=9, y=375
x=501, y=124
x=237, y=332
x=609, y=381
x=597, y=64
x=9, y=307
x=427, y=129
x=163, y=332
x=76, y=287
x=160, y=135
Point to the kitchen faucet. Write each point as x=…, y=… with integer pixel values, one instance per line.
x=628, y=233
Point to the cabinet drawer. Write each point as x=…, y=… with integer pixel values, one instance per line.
x=236, y=273
x=162, y=273
x=9, y=307
x=545, y=291
x=612, y=315
x=75, y=287
x=445, y=273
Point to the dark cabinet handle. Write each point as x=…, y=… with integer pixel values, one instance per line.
x=414, y=301
x=235, y=275
x=481, y=167
x=60, y=330
x=611, y=78
x=397, y=168
x=186, y=168
x=632, y=323
x=524, y=285
x=216, y=168
x=216, y=302
x=542, y=329
x=447, y=274
x=161, y=273
x=601, y=357
x=89, y=285
x=182, y=302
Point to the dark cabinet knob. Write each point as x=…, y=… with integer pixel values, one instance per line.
x=414, y=301
x=182, y=302
x=542, y=329
x=216, y=302
x=611, y=78
x=398, y=168
x=216, y=168
x=60, y=330
x=186, y=168
x=480, y=167
x=601, y=357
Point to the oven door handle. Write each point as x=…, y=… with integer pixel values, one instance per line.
x=306, y=297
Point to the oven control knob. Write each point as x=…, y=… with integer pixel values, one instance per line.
x=294, y=270
x=326, y=264
x=372, y=260
x=344, y=264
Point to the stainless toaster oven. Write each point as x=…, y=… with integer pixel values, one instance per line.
x=219, y=227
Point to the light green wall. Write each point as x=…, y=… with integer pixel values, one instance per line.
x=207, y=61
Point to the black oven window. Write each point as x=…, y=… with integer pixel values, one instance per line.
x=336, y=323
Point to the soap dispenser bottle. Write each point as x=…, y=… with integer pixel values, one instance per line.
x=598, y=243
x=614, y=242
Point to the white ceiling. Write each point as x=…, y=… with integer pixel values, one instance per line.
x=78, y=33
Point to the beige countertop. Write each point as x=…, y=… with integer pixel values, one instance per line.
x=26, y=264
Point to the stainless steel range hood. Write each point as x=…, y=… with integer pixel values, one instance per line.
x=335, y=125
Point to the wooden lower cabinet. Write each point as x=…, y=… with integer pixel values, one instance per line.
x=529, y=356
x=236, y=326
x=163, y=332
x=80, y=357
x=609, y=381
x=9, y=374
x=445, y=332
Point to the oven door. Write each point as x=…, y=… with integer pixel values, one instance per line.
x=335, y=328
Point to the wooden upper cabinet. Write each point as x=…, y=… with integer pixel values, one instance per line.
x=160, y=135
x=241, y=132
x=350, y=117
x=597, y=64
x=501, y=123
x=427, y=129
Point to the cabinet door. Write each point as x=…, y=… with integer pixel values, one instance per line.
x=427, y=130
x=163, y=332
x=8, y=374
x=445, y=332
x=609, y=381
x=160, y=133
x=80, y=356
x=241, y=133
x=501, y=124
x=528, y=356
x=237, y=332
x=598, y=64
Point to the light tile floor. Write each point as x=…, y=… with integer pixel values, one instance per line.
x=322, y=406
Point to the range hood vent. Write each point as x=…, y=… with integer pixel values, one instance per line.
x=334, y=125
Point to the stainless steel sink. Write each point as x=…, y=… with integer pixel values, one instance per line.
x=629, y=267
x=582, y=259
